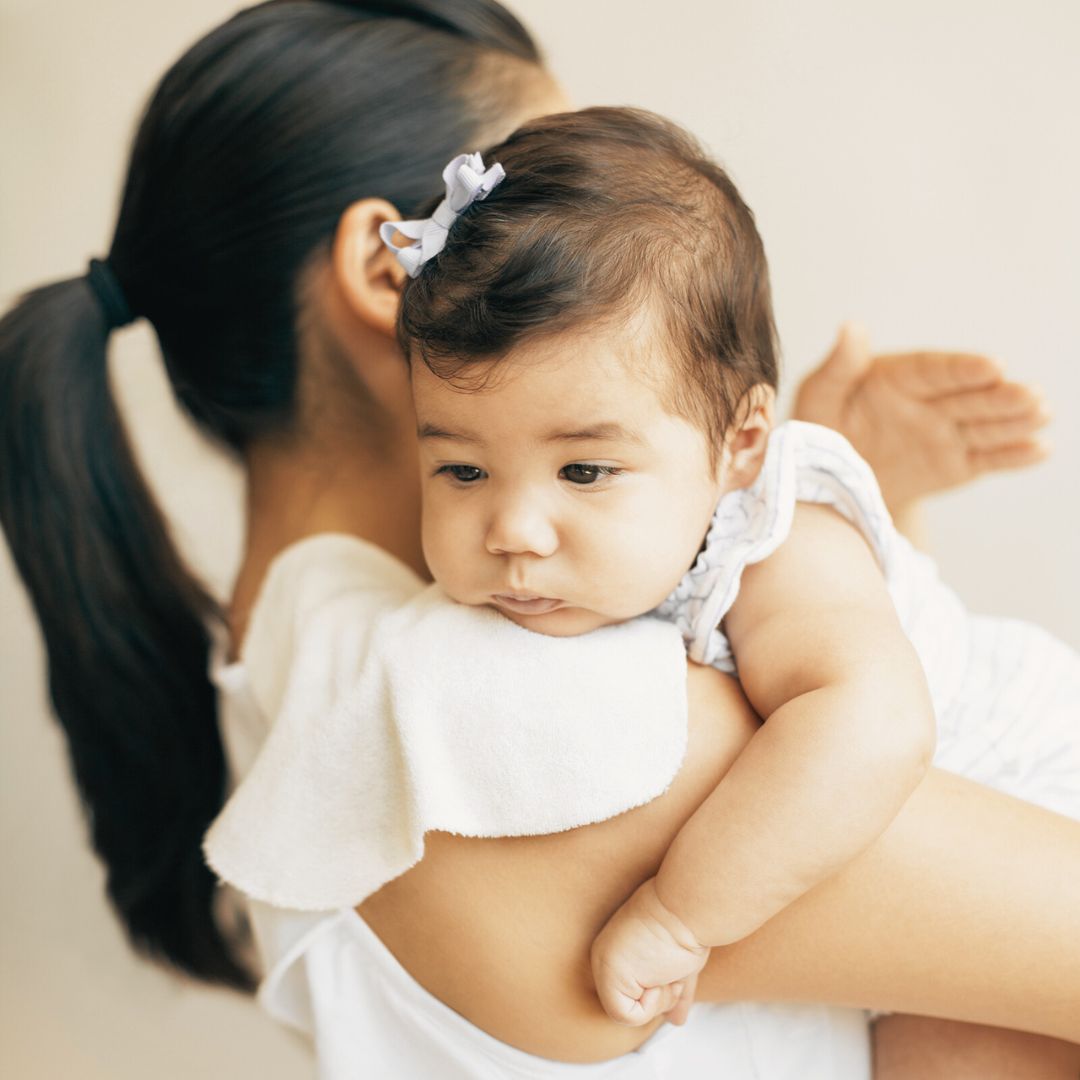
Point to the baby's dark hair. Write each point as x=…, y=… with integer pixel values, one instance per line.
x=604, y=213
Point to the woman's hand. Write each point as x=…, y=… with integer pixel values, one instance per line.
x=925, y=421
x=645, y=961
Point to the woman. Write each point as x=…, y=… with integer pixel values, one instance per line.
x=245, y=237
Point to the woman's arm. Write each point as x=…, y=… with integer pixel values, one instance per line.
x=968, y=906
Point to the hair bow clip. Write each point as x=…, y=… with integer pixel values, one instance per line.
x=467, y=181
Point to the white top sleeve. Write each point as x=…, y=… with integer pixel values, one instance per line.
x=394, y=711
x=803, y=463
x=812, y=464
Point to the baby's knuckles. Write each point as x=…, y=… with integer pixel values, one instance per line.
x=639, y=958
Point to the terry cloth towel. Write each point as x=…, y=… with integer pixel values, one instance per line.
x=387, y=722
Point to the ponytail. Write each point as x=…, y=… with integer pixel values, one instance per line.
x=124, y=627
x=252, y=147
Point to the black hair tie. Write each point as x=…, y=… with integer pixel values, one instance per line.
x=110, y=295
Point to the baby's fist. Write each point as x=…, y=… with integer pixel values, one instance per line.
x=645, y=961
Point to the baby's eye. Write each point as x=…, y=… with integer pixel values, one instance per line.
x=463, y=474
x=581, y=473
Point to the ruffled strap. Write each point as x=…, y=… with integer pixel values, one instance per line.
x=803, y=463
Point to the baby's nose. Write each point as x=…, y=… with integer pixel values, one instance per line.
x=521, y=528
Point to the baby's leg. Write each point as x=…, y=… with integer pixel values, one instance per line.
x=921, y=1048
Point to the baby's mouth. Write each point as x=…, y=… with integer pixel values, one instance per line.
x=525, y=603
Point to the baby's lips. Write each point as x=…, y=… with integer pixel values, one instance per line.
x=526, y=604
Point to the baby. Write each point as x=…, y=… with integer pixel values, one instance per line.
x=594, y=365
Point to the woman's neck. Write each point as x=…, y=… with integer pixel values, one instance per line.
x=297, y=489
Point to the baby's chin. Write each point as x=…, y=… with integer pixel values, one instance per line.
x=563, y=622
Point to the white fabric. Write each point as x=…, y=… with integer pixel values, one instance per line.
x=370, y=1020
x=390, y=721
x=330, y=977
x=1006, y=693
x=467, y=181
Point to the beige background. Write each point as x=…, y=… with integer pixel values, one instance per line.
x=912, y=165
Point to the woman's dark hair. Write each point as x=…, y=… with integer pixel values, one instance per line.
x=250, y=149
x=603, y=214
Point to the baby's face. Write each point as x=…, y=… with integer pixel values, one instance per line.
x=564, y=494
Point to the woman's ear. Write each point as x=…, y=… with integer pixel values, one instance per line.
x=748, y=439
x=367, y=273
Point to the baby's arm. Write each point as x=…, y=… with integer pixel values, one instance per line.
x=849, y=733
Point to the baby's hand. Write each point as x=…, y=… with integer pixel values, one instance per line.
x=646, y=962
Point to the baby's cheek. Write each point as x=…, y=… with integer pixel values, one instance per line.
x=659, y=551
x=454, y=579
x=449, y=554
x=437, y=548
x=637, y=575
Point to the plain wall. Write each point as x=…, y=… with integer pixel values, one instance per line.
x=914, y=166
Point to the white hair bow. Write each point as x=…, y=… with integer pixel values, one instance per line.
x=467, y=181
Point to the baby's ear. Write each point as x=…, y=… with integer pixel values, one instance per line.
x=748, y=437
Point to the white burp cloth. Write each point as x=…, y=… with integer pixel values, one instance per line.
x=384, y=728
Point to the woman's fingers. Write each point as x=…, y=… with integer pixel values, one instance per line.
x=929, y=375
x=993, y=434
x=1008, y=457
x=1005, y=401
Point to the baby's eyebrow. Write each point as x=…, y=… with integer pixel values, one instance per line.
x=605, y=432
x=430, y=431
x=609, y=432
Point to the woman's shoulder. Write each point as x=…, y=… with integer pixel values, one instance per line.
x=318, y=570
x=318, y=601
